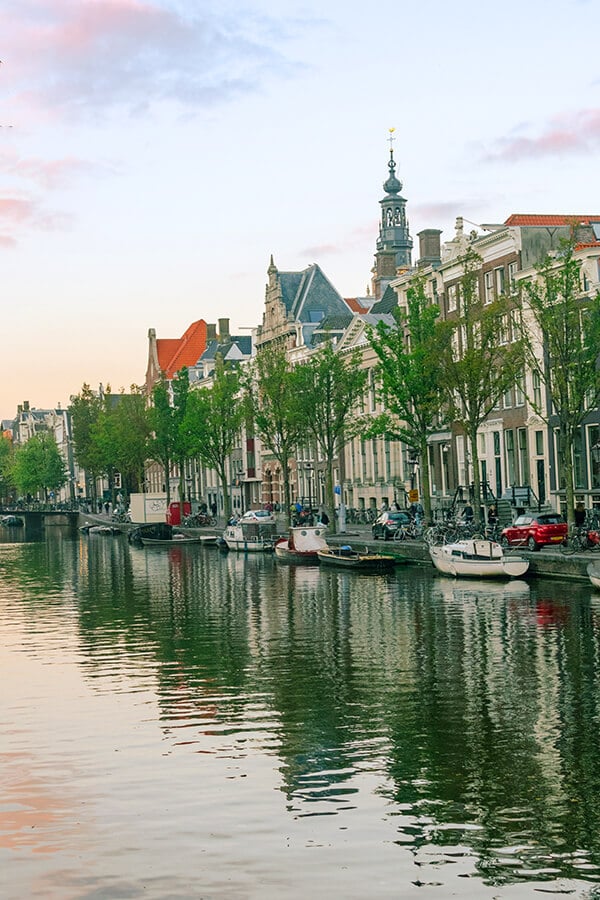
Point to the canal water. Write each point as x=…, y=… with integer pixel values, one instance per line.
x=180, y=723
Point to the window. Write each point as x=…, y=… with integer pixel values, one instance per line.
x=512, y=274
x=507, y=399
x=488, y=282
x=499, y=279
x=537, y=390
x=539, y=443
x=519, y=392
x=509, y=443
x=504, y=334
x=452, y=295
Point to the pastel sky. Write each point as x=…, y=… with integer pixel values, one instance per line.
x=155, y=153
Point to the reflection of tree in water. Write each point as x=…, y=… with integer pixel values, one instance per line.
x=477, y=712
x=495, y=738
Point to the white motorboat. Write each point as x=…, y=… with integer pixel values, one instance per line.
x=250, y=536
x=477, y=558
x=302, y=544
x=594, y=574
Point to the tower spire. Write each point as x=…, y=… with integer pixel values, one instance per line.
x=394, y=244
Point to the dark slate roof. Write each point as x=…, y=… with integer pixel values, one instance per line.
x=309, y=291
x=331, y=325
x=244, y=342
x=388, y=302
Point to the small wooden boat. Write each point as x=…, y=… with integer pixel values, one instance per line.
x=346, y=558
x=11, y=521
x=302, y=544
x=473, y=558
x=176, y=540
x=209, y=540
x=594, y=574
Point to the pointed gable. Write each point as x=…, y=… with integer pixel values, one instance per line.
x=295, y=304
x=167, y=356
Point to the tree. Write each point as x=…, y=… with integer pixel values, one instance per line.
x=272, y=392
x=85, y=409
x=329, y=386
x=478, y=363
x=181, y=388
x=161, y=446
x=410, y=376
x=38, y=466
x=561, y=337
x=6, y=454
x=213, y=418
x=128, y=424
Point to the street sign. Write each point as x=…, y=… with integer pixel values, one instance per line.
x=413, y=496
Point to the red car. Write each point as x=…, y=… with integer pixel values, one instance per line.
x=535, y=531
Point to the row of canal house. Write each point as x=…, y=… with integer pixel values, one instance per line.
x=517, y=449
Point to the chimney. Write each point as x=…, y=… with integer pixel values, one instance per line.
x=429, y=247
x=25, y=405
x=211, y=333
x=223, y=330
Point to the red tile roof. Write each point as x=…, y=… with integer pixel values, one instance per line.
x=174, y=354
x=355, y=305
x=521, y=219
x=595, y=245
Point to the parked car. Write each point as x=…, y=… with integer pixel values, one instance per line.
x=387, y=523
x=535, y=531
x=258, y=515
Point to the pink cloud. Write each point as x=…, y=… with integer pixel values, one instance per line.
x=7, y=241
x=48, y=173
x=83, y=56
x=565, y=135
x=16, y=209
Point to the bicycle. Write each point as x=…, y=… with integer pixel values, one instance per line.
x=579, y=540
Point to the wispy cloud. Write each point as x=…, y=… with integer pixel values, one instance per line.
x=569, y=134
x=19, y=213
x=52, y=173
x=83, y=57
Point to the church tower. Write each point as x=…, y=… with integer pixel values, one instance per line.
x=394, y=244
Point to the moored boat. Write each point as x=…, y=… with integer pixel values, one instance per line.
x=302, y=544
x=11, y=521
x=477, y=558
x=346, y=558
x=175, y=540
x=250, y=536
x=594, y=574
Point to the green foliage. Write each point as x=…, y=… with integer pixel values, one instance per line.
x=412, y=385
x=85, y=409
x=38, y=466
x=6, y=455
x=272, y=394
x=329, y=386
x=211, y=425
x=126, y=425
x=478, y=365
x=561, y=331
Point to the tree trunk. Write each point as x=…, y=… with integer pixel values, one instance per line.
x=479, y=517
x=226, y=501
x=567, y=442
x=426, y=480
x=330, y=497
